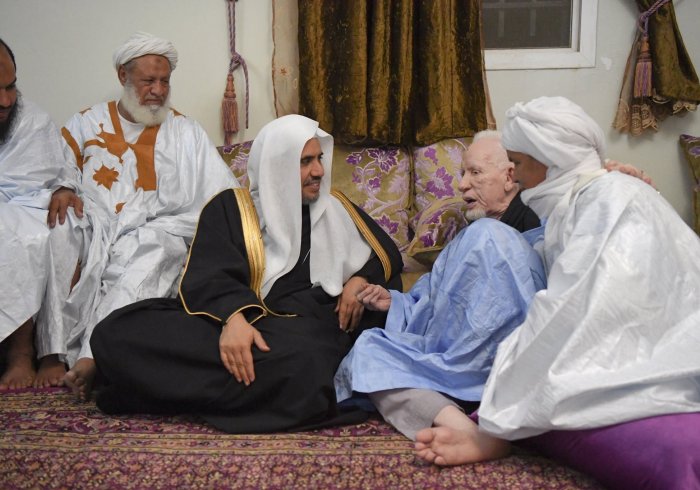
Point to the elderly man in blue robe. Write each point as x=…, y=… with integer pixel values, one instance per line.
x=441, y=337
x=603, y=373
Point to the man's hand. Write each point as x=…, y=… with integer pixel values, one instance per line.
x=235, y=347
x=61, y=200
x=349, y=308
x=375, y=298
x=628, y=169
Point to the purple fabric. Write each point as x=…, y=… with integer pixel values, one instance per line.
x=660, y=452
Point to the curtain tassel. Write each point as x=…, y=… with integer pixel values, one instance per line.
x=642, y=72
x=229, y=111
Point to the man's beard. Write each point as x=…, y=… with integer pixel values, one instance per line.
x=475, y=214
x=8, y=125
x=306, y=201
x=148, y=115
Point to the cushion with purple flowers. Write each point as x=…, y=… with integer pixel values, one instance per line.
x=436, y=226
x=691, y=148
x=437, y=171
x=236, y=157
x=378, y=179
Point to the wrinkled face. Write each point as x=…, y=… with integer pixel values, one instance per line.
x=8, y=87
x=149, y=76
x=485, y=185
x=311, y=171
x=527, y=171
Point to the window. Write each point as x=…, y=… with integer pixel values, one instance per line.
x=524, y=34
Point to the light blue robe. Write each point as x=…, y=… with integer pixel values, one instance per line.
x=442, y=335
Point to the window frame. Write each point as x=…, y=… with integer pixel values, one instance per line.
x=582, y=54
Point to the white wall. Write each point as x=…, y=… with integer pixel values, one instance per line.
x=64, y=53
x=64, y=50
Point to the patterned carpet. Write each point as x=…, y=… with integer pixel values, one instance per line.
x=49, y=441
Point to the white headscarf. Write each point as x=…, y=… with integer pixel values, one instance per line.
x=560, y=135
x=337, y=248
x=141, y=44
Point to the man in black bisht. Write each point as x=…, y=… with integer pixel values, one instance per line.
x=267, y=305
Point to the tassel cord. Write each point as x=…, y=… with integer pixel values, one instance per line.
x=643, y=71
x=644, y=16
x=236, y=61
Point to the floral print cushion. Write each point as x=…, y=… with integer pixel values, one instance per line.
x=438, y=224
x=236, y=157
x=378, y=180
x=691, y=149
x=415, y=200
x=437, y=171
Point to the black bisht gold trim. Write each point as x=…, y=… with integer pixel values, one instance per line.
x=366, y=232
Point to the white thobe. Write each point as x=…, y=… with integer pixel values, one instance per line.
x=32, y=166
x=143, y=189
x=616, y=334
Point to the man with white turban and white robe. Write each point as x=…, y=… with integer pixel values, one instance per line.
x=145, y=172
x=268, y=303
x=605, y=367
x=33, y=252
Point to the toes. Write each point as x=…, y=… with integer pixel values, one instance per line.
x=426, y=455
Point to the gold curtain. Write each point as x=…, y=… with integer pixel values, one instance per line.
x=392, y=71
x=285, y=56
x=674, y=83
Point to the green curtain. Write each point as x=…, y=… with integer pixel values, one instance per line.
x=673, y=74
x=392, y=71
x=674, y=87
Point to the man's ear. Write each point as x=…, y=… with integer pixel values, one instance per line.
x=510, y=181
x=121, y=73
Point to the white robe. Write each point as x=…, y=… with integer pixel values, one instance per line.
x=32, y=166
x=142, y=204
x=616, y=334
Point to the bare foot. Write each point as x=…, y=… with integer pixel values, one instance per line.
x=457, y=440
x=80, y=377
x=19, y=373
x=51, y=372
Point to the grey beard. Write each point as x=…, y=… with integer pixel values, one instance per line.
x=8, y=126
x=143, y=114
x=306, y=202
x=475, y=214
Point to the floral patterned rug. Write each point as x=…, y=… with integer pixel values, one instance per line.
x=47, y=440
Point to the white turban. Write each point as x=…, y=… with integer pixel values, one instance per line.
x=141, y=44
x=559, y=134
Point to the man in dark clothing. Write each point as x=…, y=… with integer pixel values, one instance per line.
x=268, y=302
